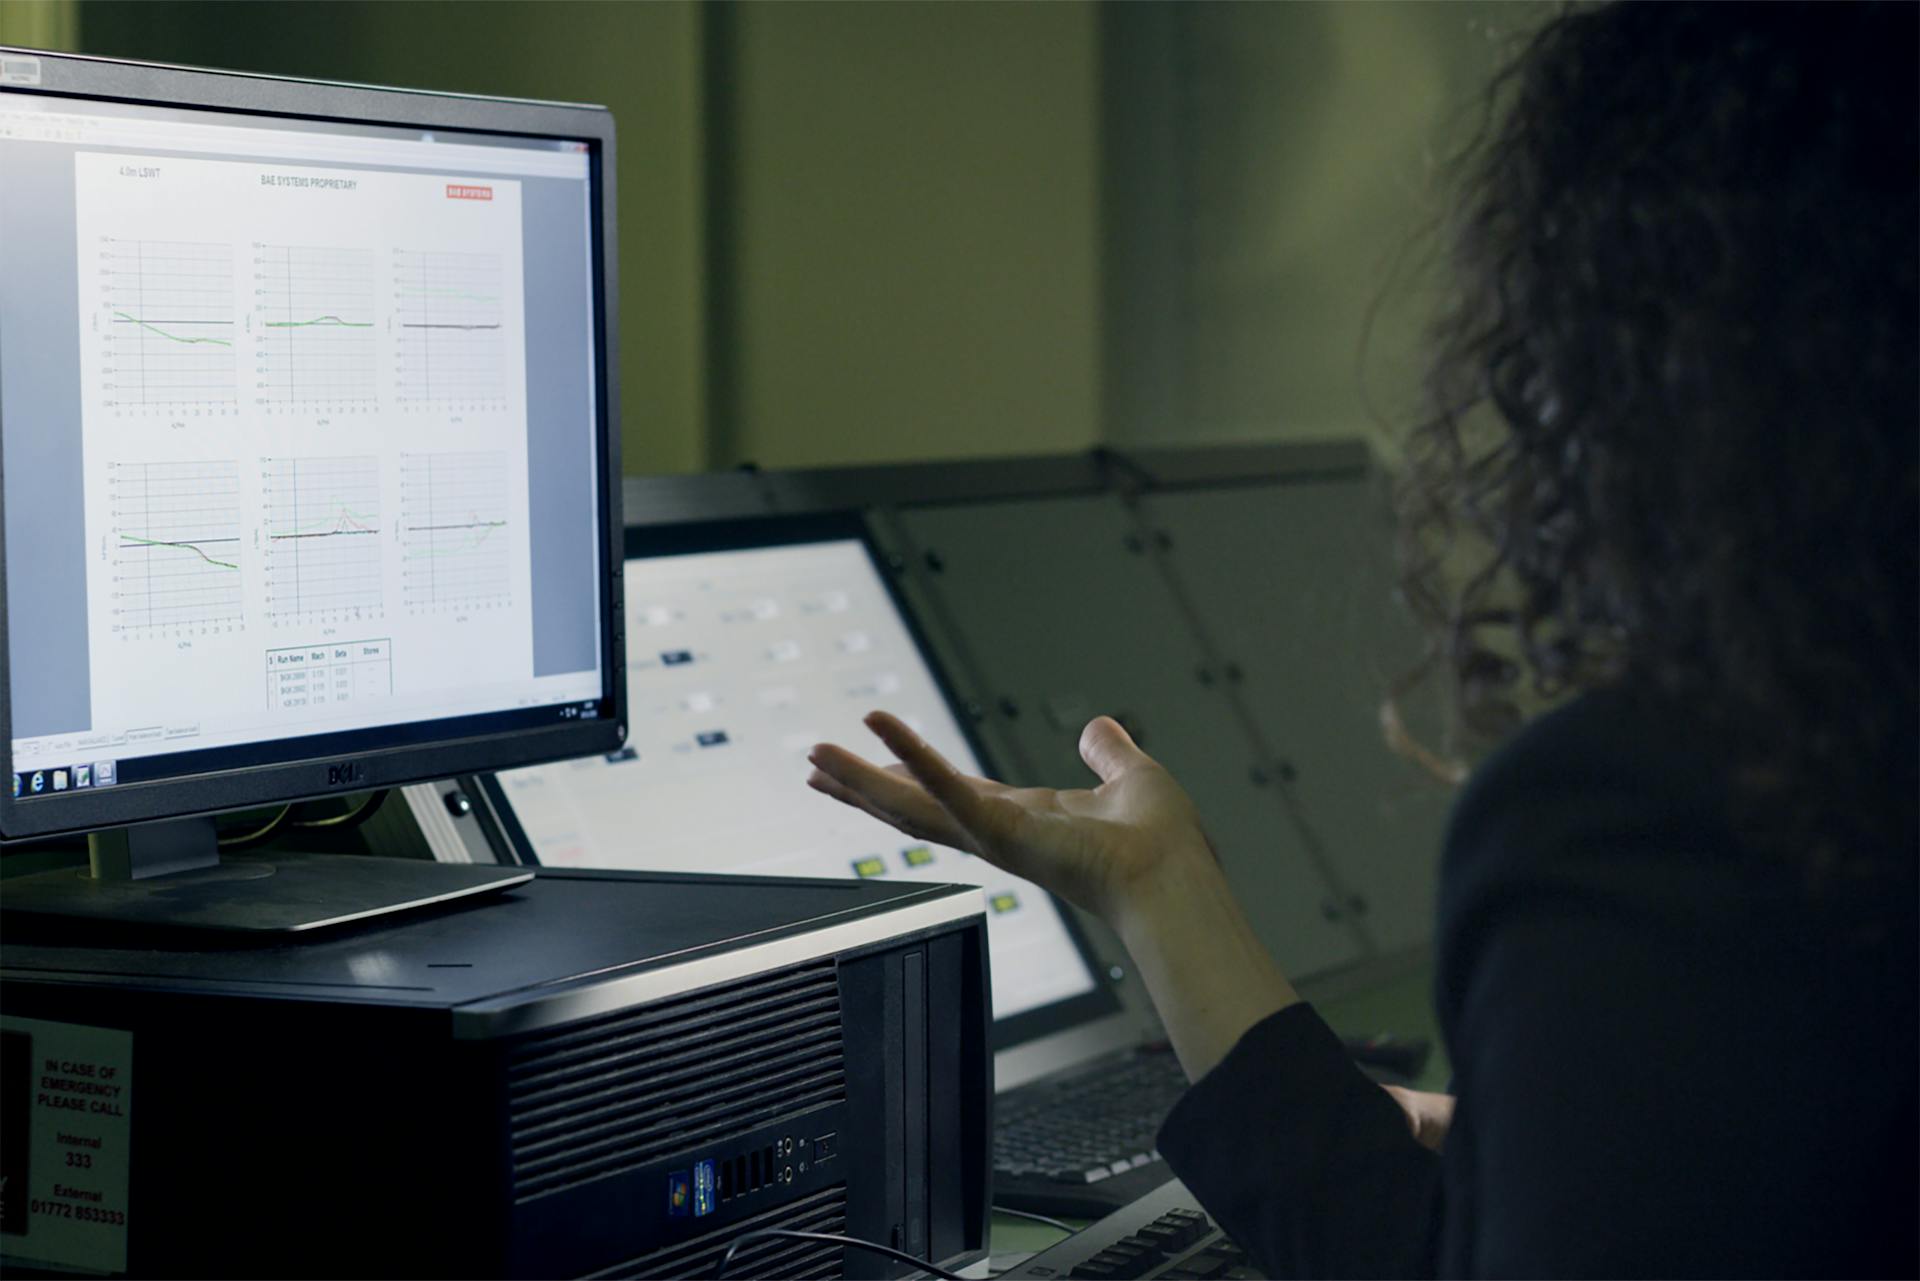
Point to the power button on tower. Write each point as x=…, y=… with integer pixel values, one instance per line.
x=826, y=1147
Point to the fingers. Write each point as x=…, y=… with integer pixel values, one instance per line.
x=887, y=795
x=1109, y=750
x=1429, y=1116
x=946, y=784
x=827, y=785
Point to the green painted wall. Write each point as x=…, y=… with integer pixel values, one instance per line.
x=1279, y=211
x=39, y=24
x=911, y=207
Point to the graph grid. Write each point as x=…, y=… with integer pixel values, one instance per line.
x=453, y=518
x=323, y=538
x=450, y=348
x=315, y=312
x=176, y=545
x=168, y=332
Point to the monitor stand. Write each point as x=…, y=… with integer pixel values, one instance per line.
x=170, y=875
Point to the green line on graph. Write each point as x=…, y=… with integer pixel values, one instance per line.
x=217, y=342
x=319, y=320
x=161, y=542
x=344, y=520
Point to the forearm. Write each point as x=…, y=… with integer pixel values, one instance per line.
x=1210, y=978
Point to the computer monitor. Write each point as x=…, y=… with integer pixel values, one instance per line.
x=750, y=641
x=309, y=430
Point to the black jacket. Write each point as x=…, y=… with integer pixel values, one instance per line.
x=1670, y=1057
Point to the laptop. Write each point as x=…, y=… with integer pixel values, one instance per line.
x=749, y=641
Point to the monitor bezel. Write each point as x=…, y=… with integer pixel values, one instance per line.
x=649, y=542
x=65, y=76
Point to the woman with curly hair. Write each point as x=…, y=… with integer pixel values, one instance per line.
x=1674, y=403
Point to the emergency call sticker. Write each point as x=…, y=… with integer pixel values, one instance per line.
x=66, y=1112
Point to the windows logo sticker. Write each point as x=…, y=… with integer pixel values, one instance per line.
x=679, y=1194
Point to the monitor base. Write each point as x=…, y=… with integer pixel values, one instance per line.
x=275, y=892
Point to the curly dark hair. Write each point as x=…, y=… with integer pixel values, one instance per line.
x=1685, y=270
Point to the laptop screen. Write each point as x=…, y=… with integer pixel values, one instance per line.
x=738, y=661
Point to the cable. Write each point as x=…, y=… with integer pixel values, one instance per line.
x=1037, y=1218
x=272, y=827
x=260, y=835
x=726, y=1260
x=353, y=817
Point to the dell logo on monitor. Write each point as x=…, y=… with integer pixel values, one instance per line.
x=344, y=773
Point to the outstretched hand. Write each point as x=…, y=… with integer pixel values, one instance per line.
x=1129, y=850
x=1099, y=847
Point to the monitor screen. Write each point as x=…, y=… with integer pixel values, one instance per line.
x=303, y=439
x=738, y=662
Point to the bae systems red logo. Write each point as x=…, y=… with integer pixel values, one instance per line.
x=456, y=191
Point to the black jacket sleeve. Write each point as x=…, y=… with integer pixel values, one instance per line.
x=1305, y=1162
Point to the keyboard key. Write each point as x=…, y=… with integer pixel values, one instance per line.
x=1104, y=1264
x=1164, y=1236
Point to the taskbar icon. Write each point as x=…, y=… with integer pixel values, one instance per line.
x=88, y=776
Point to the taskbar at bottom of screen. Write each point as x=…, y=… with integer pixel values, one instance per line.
x=99, y=768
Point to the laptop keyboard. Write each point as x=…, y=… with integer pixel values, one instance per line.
x=1168, y=1240
x=1090, y=1126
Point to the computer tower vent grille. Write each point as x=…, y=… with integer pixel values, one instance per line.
x=823, y=1211
x=637, y=1087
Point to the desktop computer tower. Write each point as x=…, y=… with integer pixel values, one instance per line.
x=593, y=1074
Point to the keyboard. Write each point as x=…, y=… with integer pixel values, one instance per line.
x=1082, y=1144
x=1163, y=1236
